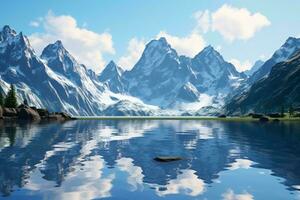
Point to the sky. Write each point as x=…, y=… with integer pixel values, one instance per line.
x=97, y=31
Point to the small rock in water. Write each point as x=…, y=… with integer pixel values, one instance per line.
x=167, y=158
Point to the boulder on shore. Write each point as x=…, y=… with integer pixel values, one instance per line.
x=256, y=115
x=28, y=114
x=263, y=119
x=10, y=112
x=59, y=116
x=43, y=112
x=24, y=112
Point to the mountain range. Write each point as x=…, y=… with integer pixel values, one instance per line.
x=160, y=83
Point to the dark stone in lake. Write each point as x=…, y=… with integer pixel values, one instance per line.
x=167, y=158
x=263, y=119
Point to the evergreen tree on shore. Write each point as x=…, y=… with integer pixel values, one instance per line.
x=1, y=99
x=11, y=99
x=291, y=111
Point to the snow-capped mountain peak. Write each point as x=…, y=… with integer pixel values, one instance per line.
x=286, y=51
x=209, y=54
x=111, y=76
x=154, y=54
x=59, y=59
x=291, y=45
x=7, y=33
x=109, y=70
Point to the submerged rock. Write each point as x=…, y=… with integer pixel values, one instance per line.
x=167, y=158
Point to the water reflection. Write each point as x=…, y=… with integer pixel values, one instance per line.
x=113, y=159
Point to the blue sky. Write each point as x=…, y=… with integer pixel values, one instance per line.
x=119, y=29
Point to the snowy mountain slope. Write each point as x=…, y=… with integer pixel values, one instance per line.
x=55, y=81
x=163, y=78
x=161, y=83
x=111, y=76
x=282, y=87
x=286, y=51
x=254, y=68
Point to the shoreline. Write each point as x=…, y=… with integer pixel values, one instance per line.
x=200, y=118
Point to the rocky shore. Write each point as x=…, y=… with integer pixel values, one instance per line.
x=26, y=113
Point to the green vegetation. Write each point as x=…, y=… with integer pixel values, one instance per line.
x=291, y=111
x=11, y=99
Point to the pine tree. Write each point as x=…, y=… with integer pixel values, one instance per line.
x=11, y=99
x=291, y=110
x=1, y=99
x=282, y=111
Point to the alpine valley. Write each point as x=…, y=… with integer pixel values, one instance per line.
x=160, y=83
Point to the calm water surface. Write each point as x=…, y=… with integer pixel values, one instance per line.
x=114, y=160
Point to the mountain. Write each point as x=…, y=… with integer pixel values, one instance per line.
x=112, y=77
x=55, y=80
x=254, y=68
x=129, y=108
x=285, y=52
x=161, y=82
x=280, y=88
x=211, y=74
x=163, y=78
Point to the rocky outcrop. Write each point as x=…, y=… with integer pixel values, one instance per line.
x=10, y=112
x=26, y=113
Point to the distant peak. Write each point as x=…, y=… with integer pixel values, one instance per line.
x=112, y=66
x=292, y=40
x=209, y=50
x=58, y=43
x=54, y=47
x=112, y=63
x=163, y=40
x=7, y=31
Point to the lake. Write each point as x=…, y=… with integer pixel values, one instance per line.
x=113, y=159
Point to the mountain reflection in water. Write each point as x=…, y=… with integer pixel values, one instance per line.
x=114, y=159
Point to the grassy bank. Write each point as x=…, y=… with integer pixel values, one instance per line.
x=179, y=118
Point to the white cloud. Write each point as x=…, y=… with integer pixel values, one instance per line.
x=241, y=164
x=34, y=23
x=203, y=19
x=234, y=23
x=241, y=66
x=189, y=45
x=187, y=183
x=85, y=45
x=134, y=51
x=230, y=195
